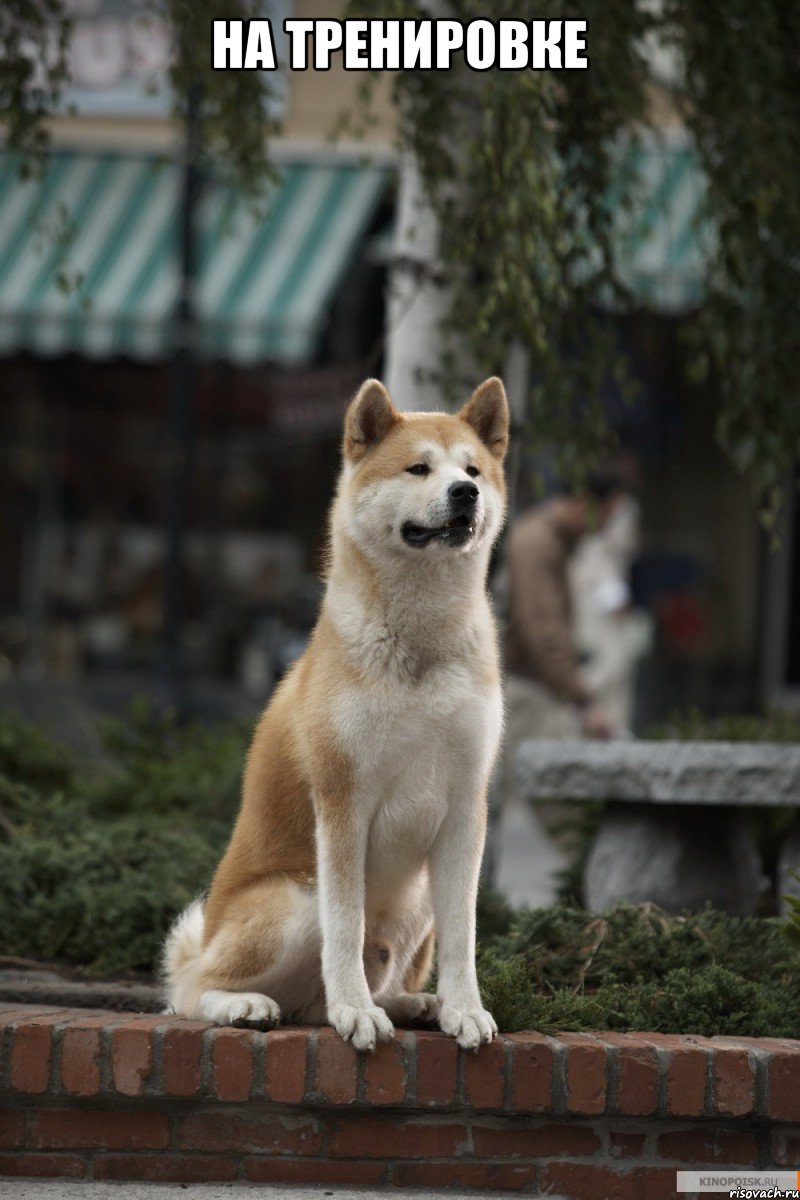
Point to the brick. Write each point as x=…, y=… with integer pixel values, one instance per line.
x=182, y=1051
x=80, y=1061
x=534, y=1141
x=784, y=1086
x=337, y=1069
x=733, y=1083
x=709, y=1147
x=580, y=1181
x=12, y=1127
x=74, y=1129
x=13, y=1010
x=505, y=1176
x=313, y=1170
x=437, y=1069
x=585, y=1075
x=484, y=1075
x=658, y=1183
x=69, y=1016
x=771, y=1045
x=385, y=1073
x=285, y=1075
x=232, y=1063
x=166, y=1168
x=80, y=1015
x=786, y=1148
x=91, y=1019
x=531, y=1073
x=220, y=1132
x=626, y=1145
x=131, y=1059
x=11, y=1013
x=376, y=1137
x=45, y=1166
x=32, y=1054
x=637, y=1074
x=687, y=1071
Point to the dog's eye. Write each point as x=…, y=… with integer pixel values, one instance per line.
x=419, y=469
x=472, y=471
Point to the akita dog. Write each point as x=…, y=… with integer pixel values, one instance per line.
x=364, y=799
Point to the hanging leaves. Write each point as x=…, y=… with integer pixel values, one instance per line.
x=742, y=105
x=34, y=35
x=519, y=166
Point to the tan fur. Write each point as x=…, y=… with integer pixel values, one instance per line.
x=304, y=774
x=418, y=973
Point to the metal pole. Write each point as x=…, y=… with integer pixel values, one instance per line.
x=182, y=376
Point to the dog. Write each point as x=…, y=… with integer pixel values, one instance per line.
x=363, y=812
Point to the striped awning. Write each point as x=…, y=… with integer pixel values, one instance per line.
x=663, y=246
x=88, y=257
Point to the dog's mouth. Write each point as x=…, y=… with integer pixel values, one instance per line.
x=456, y=532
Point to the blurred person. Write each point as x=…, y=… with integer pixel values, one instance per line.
x=546, y=693
x=611, y=634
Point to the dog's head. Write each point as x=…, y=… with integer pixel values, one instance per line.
x=424, y=483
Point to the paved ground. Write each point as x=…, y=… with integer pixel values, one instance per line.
x=20, y=1189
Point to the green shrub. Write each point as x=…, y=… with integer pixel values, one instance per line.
x=567, y=947
x=95, y=863
x=792, y=923
x=692, y=725
x=100, y=895
x=30, y=756
x=160, y=765
x=637, y=968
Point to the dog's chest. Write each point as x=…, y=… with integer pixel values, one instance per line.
x=393, y=732
x=415, y=750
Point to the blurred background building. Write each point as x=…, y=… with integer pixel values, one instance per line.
x=288, y=316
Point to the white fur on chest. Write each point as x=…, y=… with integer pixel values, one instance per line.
x=416, y=750
x=393, y=731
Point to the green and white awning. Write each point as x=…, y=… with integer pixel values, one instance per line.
x=88, y=252
x=662, y=244
x=88, y=257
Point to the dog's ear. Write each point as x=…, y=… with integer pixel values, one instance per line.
x=487, y=412
x=369, y=418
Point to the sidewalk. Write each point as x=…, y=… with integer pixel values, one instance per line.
x=46, y=1189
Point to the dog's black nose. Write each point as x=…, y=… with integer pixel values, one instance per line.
x=462, y=495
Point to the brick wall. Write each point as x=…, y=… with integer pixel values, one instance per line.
x=587, y=1116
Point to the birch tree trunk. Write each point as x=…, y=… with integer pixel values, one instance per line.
x=417, y=301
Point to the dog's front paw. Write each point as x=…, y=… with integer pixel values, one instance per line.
x=468, y=1025
x=413, y=1006
x=361, y=1026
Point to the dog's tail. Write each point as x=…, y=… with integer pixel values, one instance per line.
x=180, y=959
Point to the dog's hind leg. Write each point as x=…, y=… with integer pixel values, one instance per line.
x=412, y=1004
x=262, y=958
x=239, y=1008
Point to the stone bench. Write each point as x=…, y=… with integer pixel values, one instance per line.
x=672, y=832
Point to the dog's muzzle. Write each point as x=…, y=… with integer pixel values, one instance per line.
x=461, y=525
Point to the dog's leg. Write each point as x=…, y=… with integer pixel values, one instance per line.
x=341, y=857
x=412, y=1003
x=262, y=957
x=454, y=865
